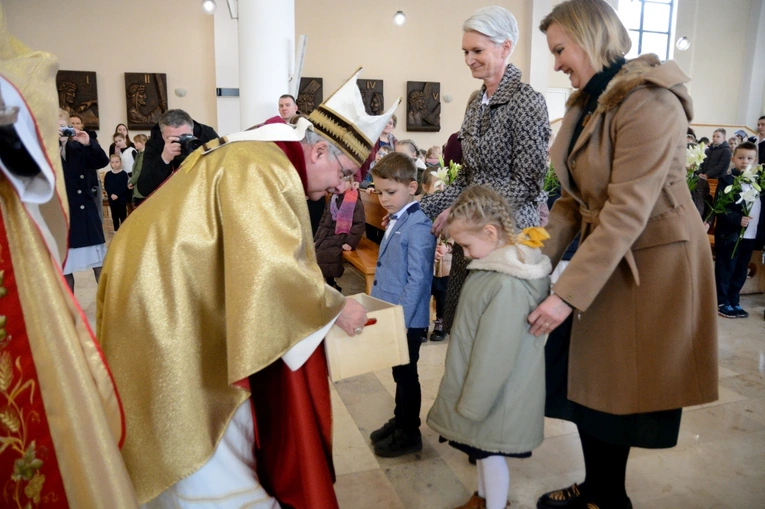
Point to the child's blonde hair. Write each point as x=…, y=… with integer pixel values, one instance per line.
x=142, y=138
x=429, y=181
x=413, y=148
x=433, y=152
x=479, y=206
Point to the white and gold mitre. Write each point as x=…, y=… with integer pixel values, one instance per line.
x=343, y=120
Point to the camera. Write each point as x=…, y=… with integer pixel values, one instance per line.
x=67, y=131
x=189, y=143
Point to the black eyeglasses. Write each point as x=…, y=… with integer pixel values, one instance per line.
x=345, y=172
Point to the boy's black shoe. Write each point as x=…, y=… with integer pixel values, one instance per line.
x=384, y=432
x=438, y=333
x=727, y=311
x=424, y=337
x=399, y=444
x=740, y=313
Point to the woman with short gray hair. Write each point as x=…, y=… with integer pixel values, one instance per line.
x=503, y=136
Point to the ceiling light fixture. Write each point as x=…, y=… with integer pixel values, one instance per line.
x=683, y=43
x=208, y=6
x=399, y=18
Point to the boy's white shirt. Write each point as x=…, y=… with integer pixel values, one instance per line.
x=751, y=229
x=393, y=222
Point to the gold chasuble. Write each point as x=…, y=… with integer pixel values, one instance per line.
x=209, y=281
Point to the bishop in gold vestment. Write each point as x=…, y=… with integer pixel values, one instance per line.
x=208, y=295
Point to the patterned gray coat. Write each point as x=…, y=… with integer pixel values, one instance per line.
x=504, y=146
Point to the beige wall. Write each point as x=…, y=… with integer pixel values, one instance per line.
x=715, y=60
x=426, y=48
x=112, y=37
x=85, y=34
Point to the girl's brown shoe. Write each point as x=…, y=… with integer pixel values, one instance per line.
x=475, y=502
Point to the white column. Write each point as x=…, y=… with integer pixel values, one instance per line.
x=539, y=60
x=227, y=69
x=266, y=56
x=750, y=102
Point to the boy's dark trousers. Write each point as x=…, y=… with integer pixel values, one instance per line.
x=119, y=214
x=408, y=392
x=438, y=291
x=730, y=273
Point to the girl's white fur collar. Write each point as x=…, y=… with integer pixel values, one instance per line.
x=505, y=259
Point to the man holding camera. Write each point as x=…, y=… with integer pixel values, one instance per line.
x=164, y=150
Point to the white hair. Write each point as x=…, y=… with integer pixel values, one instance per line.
x=495, y=22
x=312, y=138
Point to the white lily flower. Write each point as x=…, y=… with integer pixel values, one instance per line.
x=441, y=174
x=728, y=189
x=749, y=196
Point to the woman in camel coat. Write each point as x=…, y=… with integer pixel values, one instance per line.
x=634, y=312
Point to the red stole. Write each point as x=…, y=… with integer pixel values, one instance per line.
x=293, y=419
x=29, y=472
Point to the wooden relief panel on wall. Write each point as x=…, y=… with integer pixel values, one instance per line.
x=310, y=94
x=146, y=98
x=372, y=94
x=423, y=106
x=78, y=94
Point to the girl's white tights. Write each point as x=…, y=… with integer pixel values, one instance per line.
x=493, y=481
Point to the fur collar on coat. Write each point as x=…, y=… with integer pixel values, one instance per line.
x=531, y=264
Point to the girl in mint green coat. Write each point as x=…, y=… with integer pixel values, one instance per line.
x=491, y=400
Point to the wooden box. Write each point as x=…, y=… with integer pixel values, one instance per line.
x=381, y=345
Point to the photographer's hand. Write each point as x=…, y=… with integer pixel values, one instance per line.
x=171, y=150
x=82, y=137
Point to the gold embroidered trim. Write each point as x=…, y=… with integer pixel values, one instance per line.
x=14, y=435
x=354, y=143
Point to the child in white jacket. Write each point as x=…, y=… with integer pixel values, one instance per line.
x=491, y=400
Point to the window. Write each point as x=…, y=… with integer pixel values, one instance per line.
x=651, y=24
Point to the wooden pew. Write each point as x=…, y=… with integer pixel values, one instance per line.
x=364, y=257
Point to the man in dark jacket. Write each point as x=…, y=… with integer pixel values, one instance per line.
x=718, y=156
x=163, y=153
x=759, y=140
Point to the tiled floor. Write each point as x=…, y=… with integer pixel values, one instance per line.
x=719, y=462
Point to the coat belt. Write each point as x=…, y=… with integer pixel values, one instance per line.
x=672, y=196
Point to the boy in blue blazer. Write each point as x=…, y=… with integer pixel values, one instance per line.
x=403, y=276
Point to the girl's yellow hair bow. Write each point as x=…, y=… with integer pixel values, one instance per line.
x=532, y=236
